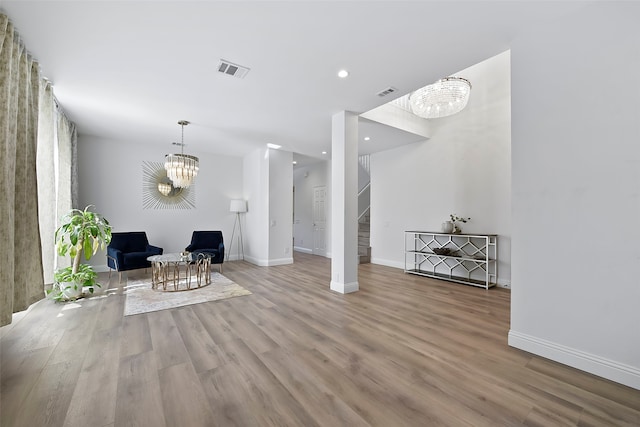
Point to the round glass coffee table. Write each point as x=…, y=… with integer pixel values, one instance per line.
x=180, y=270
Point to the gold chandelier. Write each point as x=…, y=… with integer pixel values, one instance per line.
x=181, y=168
x=164, y=188
x=443, y=98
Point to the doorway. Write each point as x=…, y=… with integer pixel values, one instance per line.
x=319, y=218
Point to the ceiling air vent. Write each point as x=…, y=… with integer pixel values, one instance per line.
x=387, y=91
x=231, y=69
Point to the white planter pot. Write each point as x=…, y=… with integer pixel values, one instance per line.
x=71, y=290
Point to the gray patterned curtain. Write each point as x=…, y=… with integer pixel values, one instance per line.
x=21, y=273
x=67, y=165
x=57, y=192
x=67, y=185
x=47, y=180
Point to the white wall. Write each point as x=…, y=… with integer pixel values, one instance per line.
x=280, y=207
x=110, y=174
x=256, y=191
x=576, y=191
x=463, y=169
x=305, y=178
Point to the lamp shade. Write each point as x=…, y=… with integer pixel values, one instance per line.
x=238, y=206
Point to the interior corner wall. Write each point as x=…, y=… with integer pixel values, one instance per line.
x=305, y=179
x=268, y=188
x=576, y=191
x=464, y=168
x=280, y=207
x=110, y=177
x=256, y=191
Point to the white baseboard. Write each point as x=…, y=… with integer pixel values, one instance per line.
x=100, y=268
x=503, y=283
x=280, y=261
x=594, y=364
x=268, y=262
x=388, y=263
x=256, y=261
x=303, y=250
x=344, y=288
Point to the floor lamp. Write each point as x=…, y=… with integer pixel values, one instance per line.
x=238, y=207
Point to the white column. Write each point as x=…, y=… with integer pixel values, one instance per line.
x=344, y=202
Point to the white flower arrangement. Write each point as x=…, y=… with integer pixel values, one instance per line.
x=455, y=219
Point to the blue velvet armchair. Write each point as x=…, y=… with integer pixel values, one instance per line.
x=129, y=251
x=210, y=243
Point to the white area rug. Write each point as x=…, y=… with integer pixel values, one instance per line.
x=140, y=298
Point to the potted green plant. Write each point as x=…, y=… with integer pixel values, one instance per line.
x=81, y=231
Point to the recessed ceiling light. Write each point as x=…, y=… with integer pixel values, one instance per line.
x=343, y=74
x=274, y=146
x=295, y=163
x=324, y=152
x=366, y=138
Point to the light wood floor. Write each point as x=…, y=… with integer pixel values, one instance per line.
x=403, y=351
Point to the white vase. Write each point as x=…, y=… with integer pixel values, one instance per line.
x=447, y=227
x=71, y=290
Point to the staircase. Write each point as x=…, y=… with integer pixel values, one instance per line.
x=364, y=241
x=364, y=202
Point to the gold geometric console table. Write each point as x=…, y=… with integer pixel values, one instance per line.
x=180, y=270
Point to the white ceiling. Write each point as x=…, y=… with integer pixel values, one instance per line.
x=129, y=70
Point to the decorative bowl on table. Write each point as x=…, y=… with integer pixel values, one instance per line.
x=444, y=251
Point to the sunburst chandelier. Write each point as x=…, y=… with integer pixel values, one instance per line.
x=443, y=98
x=181, y=168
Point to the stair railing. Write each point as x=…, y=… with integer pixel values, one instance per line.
x=364, y=201
x=364, y=195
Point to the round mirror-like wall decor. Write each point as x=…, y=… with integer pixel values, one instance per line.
x=158, y=191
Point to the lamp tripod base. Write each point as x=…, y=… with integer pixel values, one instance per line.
x=237, y=224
